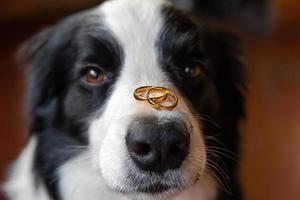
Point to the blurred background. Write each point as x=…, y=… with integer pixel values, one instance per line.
x=270, y=30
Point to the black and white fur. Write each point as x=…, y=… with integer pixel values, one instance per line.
x=77, y=144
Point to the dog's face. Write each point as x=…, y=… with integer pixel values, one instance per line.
x=85, y=70
x=138, y=148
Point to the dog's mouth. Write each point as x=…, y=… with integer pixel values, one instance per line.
x=159, y=190
x=151, y=188
x=156, y=184
x=155, y=188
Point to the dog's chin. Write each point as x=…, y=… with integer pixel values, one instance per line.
x=151, y=191
x=148, y=189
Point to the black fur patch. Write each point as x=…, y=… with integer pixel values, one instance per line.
x=216, y=96
x=60, y=103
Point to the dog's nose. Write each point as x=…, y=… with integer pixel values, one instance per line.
x=156, y=145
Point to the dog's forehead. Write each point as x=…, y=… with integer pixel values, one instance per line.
x=134, y=20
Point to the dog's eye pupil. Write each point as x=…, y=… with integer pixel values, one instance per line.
x=94, y=75
x=194, y=72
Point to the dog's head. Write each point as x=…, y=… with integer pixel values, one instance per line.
x=84, y=71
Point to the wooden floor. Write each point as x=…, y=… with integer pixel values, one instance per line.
x=270, y=165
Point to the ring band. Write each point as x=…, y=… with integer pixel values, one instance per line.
x=138, y=94
x=158, y=104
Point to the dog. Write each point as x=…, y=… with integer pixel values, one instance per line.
x=131, y=100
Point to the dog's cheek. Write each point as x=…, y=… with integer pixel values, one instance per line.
x=195, y=163
x=109, y=151
x=78, y=180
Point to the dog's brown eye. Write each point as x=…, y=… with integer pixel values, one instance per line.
x=194, y=72
x=94, y=75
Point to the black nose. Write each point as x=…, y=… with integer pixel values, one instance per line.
x=158, y=145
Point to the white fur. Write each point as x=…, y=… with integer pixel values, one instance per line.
x=80, y=180
x=21, y=184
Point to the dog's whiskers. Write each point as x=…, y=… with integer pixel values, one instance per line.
x=222, y=180
x=213, y=138
x=204, y=118
x=223, y=149
x=218, y=153
x=214, y=169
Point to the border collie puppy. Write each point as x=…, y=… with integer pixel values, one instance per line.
x=91, y=139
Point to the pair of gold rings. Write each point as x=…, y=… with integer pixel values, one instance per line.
x=160, y=98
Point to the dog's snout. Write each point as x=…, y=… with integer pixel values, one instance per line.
x=158, y=145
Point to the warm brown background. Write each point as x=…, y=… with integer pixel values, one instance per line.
x=270, y=165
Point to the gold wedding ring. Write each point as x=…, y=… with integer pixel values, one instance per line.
x=141, y=94
x=160, y=98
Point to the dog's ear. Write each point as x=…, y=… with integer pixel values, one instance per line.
x=31, y=47
x=45, y=57
x=34, y=55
